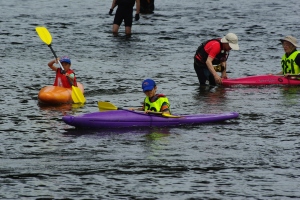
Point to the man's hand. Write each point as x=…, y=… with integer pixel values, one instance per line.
x=218, y=79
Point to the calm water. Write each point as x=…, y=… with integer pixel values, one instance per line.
x=253, y=157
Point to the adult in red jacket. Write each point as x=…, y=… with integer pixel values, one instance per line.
x=64, y=78
x=214, y=52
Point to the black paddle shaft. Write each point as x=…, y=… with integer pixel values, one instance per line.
x=63, y=70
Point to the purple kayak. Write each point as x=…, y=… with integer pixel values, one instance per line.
x=129, y=119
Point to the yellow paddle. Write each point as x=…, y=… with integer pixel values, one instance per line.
x=46, y=37
x=104, y=106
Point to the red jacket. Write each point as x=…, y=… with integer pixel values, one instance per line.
x=62, y=80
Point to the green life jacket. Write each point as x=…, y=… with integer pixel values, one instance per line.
x=288, y=64
x=156, y=103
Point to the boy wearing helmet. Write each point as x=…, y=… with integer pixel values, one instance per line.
x=64, y=78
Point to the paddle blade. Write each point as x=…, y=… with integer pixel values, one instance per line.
x=44, y=34
x=165, y=114
x=104, y=106
x=77, y=95
x=170, y=116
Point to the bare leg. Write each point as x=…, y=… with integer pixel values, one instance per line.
x=128, y=31
x=115, y=29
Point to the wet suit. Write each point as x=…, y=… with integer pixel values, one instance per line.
x=124, y=11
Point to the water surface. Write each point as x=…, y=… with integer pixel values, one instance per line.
x=255, y=156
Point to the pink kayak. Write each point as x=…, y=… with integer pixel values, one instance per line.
x=262, y=80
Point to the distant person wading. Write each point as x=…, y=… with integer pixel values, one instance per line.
x=124, y=12
x=147, y=6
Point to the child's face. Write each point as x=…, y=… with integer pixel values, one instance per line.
x=66, y=66
x=151, y=93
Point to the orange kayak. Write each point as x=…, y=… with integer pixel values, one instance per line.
x=52, y=95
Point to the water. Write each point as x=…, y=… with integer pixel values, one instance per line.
x=253, y=157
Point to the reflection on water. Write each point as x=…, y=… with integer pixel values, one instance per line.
x=157, y=134
x=151, y=133
x=214, y=95
x=62, y=107
x=291, y=94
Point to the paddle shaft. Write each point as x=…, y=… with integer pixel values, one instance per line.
x=150, y=112
x=57, y=59
x=109, y=106
x=290, y=76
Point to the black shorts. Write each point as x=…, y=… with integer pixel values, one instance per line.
x=204, y=74
x=124, y=14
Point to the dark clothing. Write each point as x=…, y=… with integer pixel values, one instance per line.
x=147, y=8
x=204, y=75
x=124, y=12
x=297, y=59
x=125, y=3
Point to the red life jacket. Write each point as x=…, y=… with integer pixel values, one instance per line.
x=201, y=55
x=62, y=80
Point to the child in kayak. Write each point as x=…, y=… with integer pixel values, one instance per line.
x=64, y=78
x=154, y=102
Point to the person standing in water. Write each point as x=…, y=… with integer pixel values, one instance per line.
x=124, y=12
x=214, y=52
x=290, y=61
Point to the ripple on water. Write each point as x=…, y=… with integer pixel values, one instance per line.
x=255, y=156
